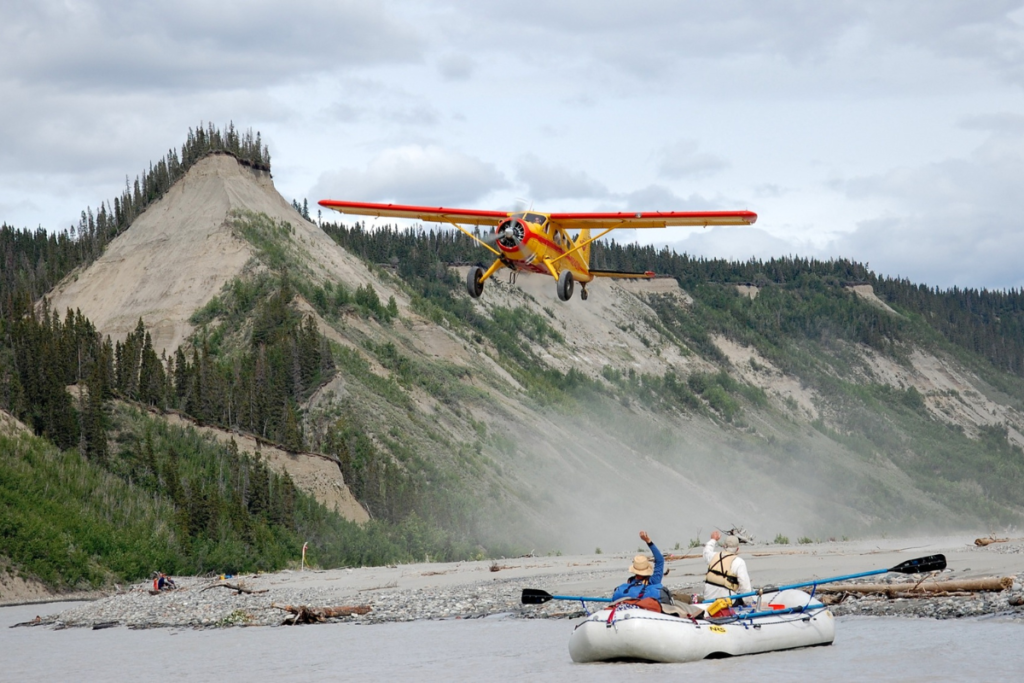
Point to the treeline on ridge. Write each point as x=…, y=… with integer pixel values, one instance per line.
x=34, y=261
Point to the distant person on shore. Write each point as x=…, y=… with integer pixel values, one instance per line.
x=162, y=582
x=727, y=572
x=643, y=588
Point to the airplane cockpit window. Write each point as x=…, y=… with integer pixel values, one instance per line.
x=536, y=218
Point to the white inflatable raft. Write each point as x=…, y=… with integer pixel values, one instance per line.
x=788, y=619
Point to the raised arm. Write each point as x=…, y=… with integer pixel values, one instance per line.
x=659, y=559
x=709, y=547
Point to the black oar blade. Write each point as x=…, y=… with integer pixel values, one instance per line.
x=533, y=596
x=932, y=563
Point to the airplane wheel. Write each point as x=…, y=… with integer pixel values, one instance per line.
x=565, y=285
x=584, y=294
x=474, y=285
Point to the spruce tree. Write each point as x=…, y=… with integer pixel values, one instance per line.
x=181, y=379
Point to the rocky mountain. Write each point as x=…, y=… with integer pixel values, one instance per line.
x=550, y=425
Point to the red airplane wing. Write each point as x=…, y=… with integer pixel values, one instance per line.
x=651, y=219
x=437, y=214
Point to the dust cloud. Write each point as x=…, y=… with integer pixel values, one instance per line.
x=594, y=480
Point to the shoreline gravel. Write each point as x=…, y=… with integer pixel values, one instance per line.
x=472, y=590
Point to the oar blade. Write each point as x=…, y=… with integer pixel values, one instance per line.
x=932, y=563
x=533, y=596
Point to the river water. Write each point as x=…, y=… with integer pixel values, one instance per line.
x=492, y=649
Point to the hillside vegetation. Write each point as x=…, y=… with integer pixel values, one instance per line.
x=172, y=501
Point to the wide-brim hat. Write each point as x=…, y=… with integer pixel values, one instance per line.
x=641, y=566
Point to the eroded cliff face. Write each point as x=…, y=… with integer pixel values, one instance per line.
x=172, y=260
x=178, y=254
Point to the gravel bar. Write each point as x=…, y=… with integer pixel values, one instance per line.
x=472, y=590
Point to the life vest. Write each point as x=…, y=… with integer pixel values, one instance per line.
x=638, y=582
x=720, y=571
x=656, y=592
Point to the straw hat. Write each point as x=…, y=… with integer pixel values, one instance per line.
x=641, y=566
x=731, y=542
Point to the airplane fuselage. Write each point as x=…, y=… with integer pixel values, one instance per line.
x=527, y=240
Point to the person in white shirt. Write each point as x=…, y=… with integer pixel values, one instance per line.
x=727, y=572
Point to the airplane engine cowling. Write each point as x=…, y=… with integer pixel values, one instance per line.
x=512, y=233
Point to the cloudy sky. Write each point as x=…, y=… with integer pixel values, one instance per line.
x=883, y=131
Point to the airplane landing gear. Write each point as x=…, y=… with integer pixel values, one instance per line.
x=474, y=283
x=565, y=285
x=583, y=293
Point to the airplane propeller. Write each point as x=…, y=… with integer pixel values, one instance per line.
x=491, y=238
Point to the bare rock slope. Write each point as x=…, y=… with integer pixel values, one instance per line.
x=179, y=253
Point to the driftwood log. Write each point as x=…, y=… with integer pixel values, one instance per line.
x=840, y=598
x=981, y=542
x=235, y=587
x=302, y=614
x=923, y=588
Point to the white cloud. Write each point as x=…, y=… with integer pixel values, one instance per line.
x=421, y=115
x=971, y=250
x=955, y=222
x=770, y=190
x=343, y=112
x=734, y=243
x=958, y=221
x=1008, y=123
x=661, y=198
x=682, y=160
x=414, y=175
x=547, y=181
x=456, y=67
x=119, y=45
x=870, y=46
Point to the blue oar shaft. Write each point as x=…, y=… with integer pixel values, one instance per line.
x=580, y=597
x=737, y=596
x=772, y=589
x=788, y=610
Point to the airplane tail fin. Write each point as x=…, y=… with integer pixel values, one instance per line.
x=585, y=251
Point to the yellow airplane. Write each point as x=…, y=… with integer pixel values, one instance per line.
x=540, y=242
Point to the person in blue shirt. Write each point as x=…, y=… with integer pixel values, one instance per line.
x=645, y=581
